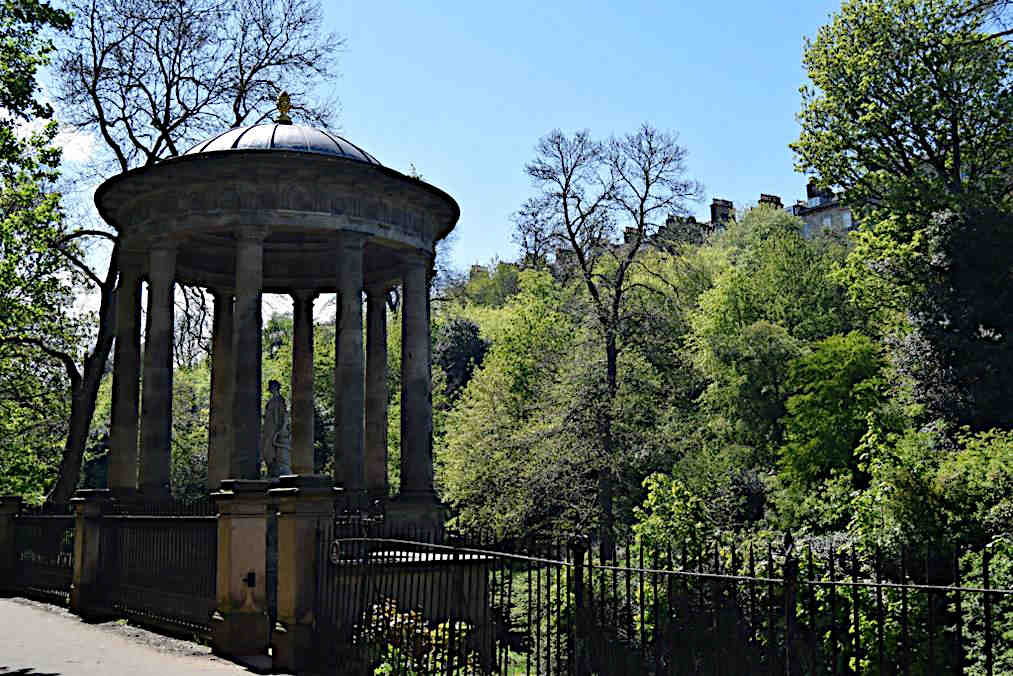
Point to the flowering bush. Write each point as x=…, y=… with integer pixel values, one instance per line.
x=403, y=642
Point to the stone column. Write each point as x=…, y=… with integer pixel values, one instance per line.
x=376, y=393
x=126, y=380
x=302, y=381
x=156, y=412
x=416, y=397
x=239, y=625
x=246, y=349
x=220, y=465
x=416, y=508
x=305, y=504
x=349, y=373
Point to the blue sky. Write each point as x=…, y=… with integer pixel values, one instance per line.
x=463, y=90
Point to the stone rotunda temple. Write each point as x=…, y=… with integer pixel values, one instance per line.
x=276, y=208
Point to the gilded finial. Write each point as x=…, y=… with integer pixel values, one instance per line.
x=284, y=105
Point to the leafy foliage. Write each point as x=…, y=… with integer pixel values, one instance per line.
x=910, y=107
x=911, y=115
x=835, y=386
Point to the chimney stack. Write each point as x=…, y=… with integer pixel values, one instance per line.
x=812, y=191
x=771, y=200
x=722, y=211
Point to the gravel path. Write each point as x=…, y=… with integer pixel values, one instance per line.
x=37, y=639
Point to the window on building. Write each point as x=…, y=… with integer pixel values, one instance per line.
x=827, y=220
x=846, y=219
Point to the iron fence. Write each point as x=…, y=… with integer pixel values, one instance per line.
x=161, y=569
x=44, y=553
x=417, y=604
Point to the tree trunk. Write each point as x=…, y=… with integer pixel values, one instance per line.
x=84, y=392
x=606, y=480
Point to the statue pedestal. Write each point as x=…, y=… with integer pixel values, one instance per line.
x=239, y=625
x=305, y=503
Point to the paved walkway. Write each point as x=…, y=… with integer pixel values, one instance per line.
x=41, y=640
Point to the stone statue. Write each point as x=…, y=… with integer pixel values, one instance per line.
x=276, y=434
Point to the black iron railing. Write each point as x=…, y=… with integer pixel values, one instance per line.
x=161, y=569
x=44, y=558
x=409, y=605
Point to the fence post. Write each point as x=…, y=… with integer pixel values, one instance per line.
x=305, y=503
x=10, y=505
x=791, y=661
x=239, y=625
x=87, y=590
x=580, y=639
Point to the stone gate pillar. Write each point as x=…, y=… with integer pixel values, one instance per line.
x=126, y=381
x=220, y=465
x=156, y=412
x=239, y=625
x=246, y=351
x=305, y=503
x=10, y=506
x=87, y=592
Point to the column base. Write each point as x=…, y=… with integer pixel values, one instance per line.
x=414, y=514
x=124, y=493
x=90, y=604
x=292, y=647
x=239, y=633
x=150, y=493
x=350, y=501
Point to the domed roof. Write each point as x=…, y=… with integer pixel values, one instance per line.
x=284, y=136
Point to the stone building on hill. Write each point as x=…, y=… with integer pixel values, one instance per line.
x=822, y=211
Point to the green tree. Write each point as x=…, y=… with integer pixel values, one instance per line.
x=491, y=467
x=976, y=485
x=35, y=282
x=911, y=115
x=486, y=285
x=586, y=191
x=834, y=386
x=910, y=109
x=775, y=294
x=458, y=351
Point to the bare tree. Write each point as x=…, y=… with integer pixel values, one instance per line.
x=587, y=191
x=149, y=78
x=152, y=77
x=535, y=232
x=996, y=14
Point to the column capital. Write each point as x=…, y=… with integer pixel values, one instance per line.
x=303, y=295
x=377, y=289
x=251, y=233
x=417, y=257
x=163, y=243
x=351, y=239
x=221, y=291
x=132, y=261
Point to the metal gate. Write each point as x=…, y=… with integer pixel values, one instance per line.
x=44, y=545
